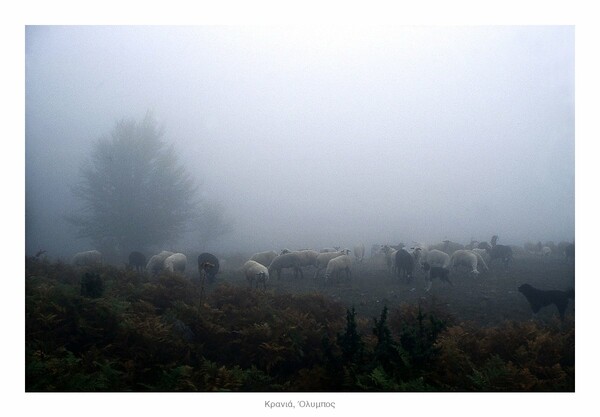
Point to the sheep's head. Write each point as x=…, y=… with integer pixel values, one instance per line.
x=207, y=265
x=261, y=276
x=416, y=253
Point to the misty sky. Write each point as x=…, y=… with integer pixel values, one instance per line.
x=315, y=136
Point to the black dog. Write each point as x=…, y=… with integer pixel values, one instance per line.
x=542, y=298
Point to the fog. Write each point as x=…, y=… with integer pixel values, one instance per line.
x=318, y=136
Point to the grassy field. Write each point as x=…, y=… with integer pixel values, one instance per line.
x=488, y=299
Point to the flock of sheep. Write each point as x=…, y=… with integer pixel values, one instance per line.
x=436, y=261
x=208, y=264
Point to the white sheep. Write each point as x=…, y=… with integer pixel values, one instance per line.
x=435, y=263
x=483, y=253
x=264, y=258
x=359, y=252
x=156, y=263
x=481, y=261
x=88, y=258
x=308, y=257
x=324, y=258
x=337, y=265
x=334, y=249
x=464, y=257
x=175, y=263
x=434, y=257
x=447, y=246
x=287, y=260
x=390, y=258
x=255, y=271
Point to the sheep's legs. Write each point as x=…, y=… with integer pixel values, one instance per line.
x=317, y=273
x=202, y=280
x=296, y=270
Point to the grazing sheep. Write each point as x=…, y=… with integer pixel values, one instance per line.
x=390, y=258
x=264, y=258
x=255, y=271
x=484, y=245
x=336, y=265
x=541, y=298
x=447, y=246
x=483, y=253
x=211, y=269
x=287, y=260
x=203, y=270
x=417, y=253
x=463, y=257
x=359, y=252
x=538, y=246
x=472, y=244
x=481, y=261
x=157, y=262
x=176, y=263
x=324, y=258
x=431, y=262
x=551, y=245
x=88, y=258
x=502, y=252
x=436, y=272
x=570, y=252
x=308, y=257
x=529, y=247
x=434, y=257
x=334, y=249
x=405, y=264
x=137, y=260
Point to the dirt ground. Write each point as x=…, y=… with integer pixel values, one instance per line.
x=488, y=299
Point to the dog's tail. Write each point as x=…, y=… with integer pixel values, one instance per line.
x=571, y=293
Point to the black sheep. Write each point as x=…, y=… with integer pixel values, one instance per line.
x=208, y=264
x=137, y=260
x=502, y=252
x=405, y=265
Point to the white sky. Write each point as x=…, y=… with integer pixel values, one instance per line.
x=316, y=136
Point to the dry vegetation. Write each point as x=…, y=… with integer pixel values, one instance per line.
x=115, y=330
